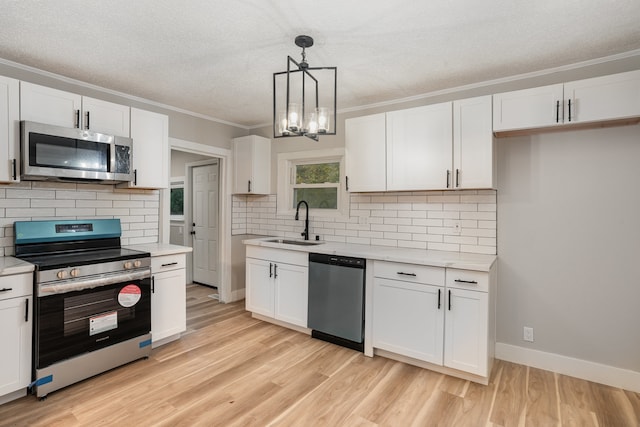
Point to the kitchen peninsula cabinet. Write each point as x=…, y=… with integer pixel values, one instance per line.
x=613, y=98
x=277, y=284
x=16, y=307
x=251, y=165
x=56, y=107
x=168, y=298
x=365, y=153
x=150, y=134
x=9, y=129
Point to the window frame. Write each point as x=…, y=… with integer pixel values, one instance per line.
x=175, y=184
x=286, y=181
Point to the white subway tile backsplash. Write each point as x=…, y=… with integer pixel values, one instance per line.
x=423, y=220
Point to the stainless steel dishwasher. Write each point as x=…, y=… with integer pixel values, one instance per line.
x=336, y=299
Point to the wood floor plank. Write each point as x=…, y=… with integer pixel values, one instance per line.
x=230, y=369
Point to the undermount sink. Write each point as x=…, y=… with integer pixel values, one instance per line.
x=295, y=242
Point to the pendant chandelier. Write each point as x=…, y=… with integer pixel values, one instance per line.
x=304, y=98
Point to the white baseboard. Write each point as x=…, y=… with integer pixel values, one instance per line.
x=583, y=369
x=236, y=295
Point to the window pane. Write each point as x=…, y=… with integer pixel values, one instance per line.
x=318, y=173
x=318, y=198
x=177, y=204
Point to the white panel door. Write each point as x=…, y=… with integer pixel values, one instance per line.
x=15, y=336
x=51, y=106
x=168, y=312
x=205, y=224
x=528, y=109
x=420, y=148
x=473, y=143
x=603, y=98
x=291, y=293
x=259, y=285
x=408, y=319
x=105, y=117
x=466, y=329
x=365, y=153
x=9, y=129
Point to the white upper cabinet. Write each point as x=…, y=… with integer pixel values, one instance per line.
x=251, y=165
x=9, y=129
x=528, y=109
x=56, y=107
x=419, y=151
x=365, y=153
x=105, y=117
x=150, y=134
x=609, y=98
x=474, y=150
x=603, y=98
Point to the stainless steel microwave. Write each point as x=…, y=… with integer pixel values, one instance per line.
x=57, y=153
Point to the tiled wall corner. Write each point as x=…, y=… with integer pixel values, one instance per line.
x=421, y=220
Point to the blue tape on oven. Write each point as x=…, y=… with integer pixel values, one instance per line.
x=144, y=343
x=42, y=381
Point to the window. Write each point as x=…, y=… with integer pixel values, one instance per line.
x=315, y=177
x=177, y=199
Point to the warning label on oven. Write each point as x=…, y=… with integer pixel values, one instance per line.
x=103, y=322
x=129, y=295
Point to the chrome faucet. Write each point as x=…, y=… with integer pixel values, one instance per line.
x=305, y=233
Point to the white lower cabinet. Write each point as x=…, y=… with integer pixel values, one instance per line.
x=168, y=298
x=442, y=316
x=277, y=284
x=16, y=307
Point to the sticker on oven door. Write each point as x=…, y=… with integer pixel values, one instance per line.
x=129, y=295
x=103, y=322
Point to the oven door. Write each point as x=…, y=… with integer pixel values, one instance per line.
x=72, y=322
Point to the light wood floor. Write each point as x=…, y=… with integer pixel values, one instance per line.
x=232, y=370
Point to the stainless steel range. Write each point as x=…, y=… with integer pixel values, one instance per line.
x=92, y=299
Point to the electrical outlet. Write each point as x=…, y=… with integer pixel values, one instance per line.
x=528, y=334
x=457, y=228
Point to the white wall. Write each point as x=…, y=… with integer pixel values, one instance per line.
x=569, y=243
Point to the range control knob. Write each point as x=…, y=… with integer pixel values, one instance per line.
x=128, y=265
x=137, y=263
x=62, y=274
x=75, y=272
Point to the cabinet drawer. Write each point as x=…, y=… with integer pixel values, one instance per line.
x=167, y=263
x=279, y=255
x=409, y=272
x=15, y=286
x=468, y=279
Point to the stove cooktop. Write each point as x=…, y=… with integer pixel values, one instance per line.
x=84, y=257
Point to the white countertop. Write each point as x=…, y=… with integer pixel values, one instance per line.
x=10, y=265
x=465, y=261
x=159, y=249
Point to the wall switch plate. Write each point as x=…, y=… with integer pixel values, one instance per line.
x=528, y=334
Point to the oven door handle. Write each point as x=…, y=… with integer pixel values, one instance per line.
x=89, y=283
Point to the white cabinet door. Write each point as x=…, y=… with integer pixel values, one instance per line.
x=528, y=109
x=259, y=287
x=473, y=143
x=603, y=98
x=51, y=106
x=15, y=336
x=168, y=304
x=9, y=129
x=466, y=331
x=419, y=148
x=251, y=165
x=150, y=134
x=408, y=319
x=365, y=153
x=105, y=117
x=291, y=293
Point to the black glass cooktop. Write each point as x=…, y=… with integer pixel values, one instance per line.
x=85, y=257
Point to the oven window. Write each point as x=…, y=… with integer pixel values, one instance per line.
x=67, y=153
x=94, y=312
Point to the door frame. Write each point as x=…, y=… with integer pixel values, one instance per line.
x=224, y=245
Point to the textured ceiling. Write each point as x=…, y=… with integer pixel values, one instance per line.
x=217, y=57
